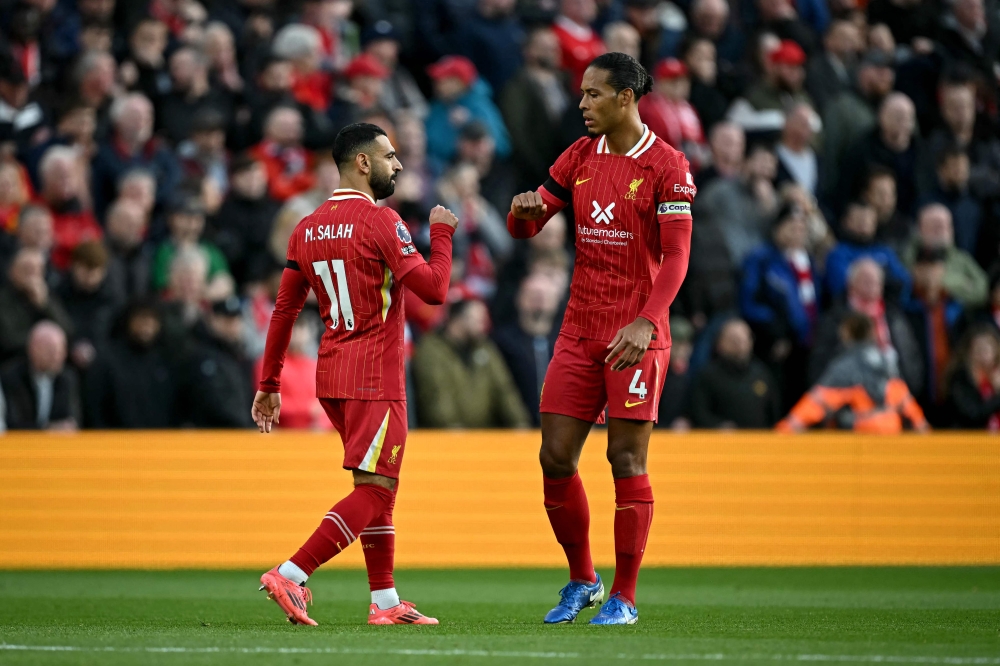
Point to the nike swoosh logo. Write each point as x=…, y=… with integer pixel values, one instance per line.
x=581, y=182
x=553, y=508
x=629, y=405
x=622, y=508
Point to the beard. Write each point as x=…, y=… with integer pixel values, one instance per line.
x=383, y=184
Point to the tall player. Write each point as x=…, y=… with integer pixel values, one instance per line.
x=355, y=255
x=631, y=195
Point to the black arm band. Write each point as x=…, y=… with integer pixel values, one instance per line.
x=294, y=265
x=556, y=190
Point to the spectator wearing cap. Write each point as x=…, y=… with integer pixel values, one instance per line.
x=460, y=97
x=797, y=161
x=492, y=39
x=734, y=389
x=893, y=144
x=25, y=300
x=39, y=391
x=302, y=46
x=364, y=82
x=190, y=94
x=287, y=162
x=669, y=114
x=783, y=84
x=129, y=256
x=21, y=119
x=831, y=71
x=132, y=384
x=64, y=193
x=400, y=92
x=243, y=224
x=964, y=280
x=132, y=145
x=853, y=113
x=951, y=188
x=89, y=301
x=780, y=296
x=534, y=104
x=937, y=320
x=579, y=43
x=203, y=156
x=859, y=238
x=186, y=222
x=527, y=343
x=461, y=378
x=216, y=378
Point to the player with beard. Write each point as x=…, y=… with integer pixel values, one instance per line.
x=631, y=196
x=355, y=256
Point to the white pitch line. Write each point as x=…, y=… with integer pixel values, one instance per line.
x=506, y=654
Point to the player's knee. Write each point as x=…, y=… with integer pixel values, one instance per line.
x=554, y=465
x=625, y=463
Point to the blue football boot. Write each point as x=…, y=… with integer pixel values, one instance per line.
x=573, y=599
x=616, y=611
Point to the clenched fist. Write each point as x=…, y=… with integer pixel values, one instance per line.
x=441, y=215
x=528, y=206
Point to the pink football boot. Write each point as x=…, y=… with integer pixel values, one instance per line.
x=290, y=597
x=404, y=613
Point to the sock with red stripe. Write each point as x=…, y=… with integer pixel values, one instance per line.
x=569, y=515
x=633, y=516
x=378, y=542
x=341, y=525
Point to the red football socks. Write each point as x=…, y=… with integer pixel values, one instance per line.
x=569, y=515
x=633, y=516
x=378, y=541
x=341, y=525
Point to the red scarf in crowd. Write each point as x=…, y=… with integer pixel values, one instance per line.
x=802, y=267
x=875, y=310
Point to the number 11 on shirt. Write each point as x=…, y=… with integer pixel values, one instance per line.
x=322, y=269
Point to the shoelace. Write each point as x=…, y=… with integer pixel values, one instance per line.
x=305, y=593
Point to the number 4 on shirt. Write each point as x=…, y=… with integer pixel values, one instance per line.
x=636, y=387
x=322, y=269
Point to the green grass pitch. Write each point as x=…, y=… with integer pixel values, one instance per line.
x=686, y=616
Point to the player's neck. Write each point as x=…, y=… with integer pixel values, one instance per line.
x=621, y=139
x=351, y=182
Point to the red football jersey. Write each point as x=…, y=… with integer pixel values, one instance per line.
x=354, y=254
x=619, y=202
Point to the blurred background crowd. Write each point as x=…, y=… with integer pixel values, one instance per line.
x=155, y=156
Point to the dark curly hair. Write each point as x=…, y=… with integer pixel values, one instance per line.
x=624, y=71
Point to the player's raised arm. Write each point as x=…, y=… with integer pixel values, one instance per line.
x=429, y=280
x=531, y=210
x=292, y=295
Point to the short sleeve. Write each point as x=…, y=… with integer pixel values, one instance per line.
x=394, y=244
x=676, y=193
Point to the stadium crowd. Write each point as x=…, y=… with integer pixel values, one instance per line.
x=155, y=156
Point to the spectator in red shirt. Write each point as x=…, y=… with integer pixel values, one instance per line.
x=667, y=112
x=288, y=164
x=63, y=192
x=300, y=407
x=302, y=45
x=580, y=44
